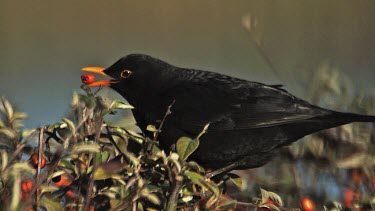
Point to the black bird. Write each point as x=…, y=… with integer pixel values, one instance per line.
x=249, y=121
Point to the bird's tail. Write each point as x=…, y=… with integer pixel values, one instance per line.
x=350, y=117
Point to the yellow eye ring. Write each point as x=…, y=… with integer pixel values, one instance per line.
x=125, y=73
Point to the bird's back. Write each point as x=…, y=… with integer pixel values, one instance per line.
x=248, y=121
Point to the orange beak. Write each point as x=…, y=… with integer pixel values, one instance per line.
x=98, y=70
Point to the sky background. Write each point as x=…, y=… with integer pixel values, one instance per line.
x=44, y=44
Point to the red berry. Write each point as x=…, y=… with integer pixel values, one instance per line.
x=34, y=160
x=348, y=197
x=87, y=78
x=308, y=204
x=24, y=195
x=357, y=176
x=43, y=162
x=269, y=201
x=70, y=194
x=63, y=181
x=26, y=186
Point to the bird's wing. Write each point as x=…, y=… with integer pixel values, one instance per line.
x=236, y=105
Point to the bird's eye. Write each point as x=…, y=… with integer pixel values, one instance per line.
x=125, y=73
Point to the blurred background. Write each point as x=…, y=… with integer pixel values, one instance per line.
x=311, y=47
x=44, y=44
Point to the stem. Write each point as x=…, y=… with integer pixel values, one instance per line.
x=246, y=204
x=172, y=201
x=19, y=149
x=40, y=153
x=221, y=170
x=162, y=122
x=95, y=166
x=134, y=206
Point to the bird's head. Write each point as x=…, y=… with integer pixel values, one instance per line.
x=131, y=73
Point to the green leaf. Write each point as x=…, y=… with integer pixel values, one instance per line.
x=22, y=166
x=150, y=197
x=152, y=188
x=117, y=104
x=133, y=135
x=50, y=205
x=70, y=124
x=194, y=177
x=105, y=156
x=173, y=157
x=66, y=164
x=237, y=180
x=151, y=128
x=6, y=108
x=101, y=174
x=26, y=133
x=75, y=100
x=272, y=196
x=200, y=180
x=92, y=147
x=4, y=159
x=48, y=188
x=89, y=101
x=15, y=201
x=195, y=166
x=211, y=186
x=110, y=194
x=55, y=174
x=122, y=145
x=19, y=115
x=186, y=146
x=132, y=158
x=8, y=133
x=187, y=198
x=230, y=205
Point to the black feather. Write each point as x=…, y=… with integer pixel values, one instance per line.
x=248, y=120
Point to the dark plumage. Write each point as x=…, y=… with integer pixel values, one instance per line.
x=249, y=121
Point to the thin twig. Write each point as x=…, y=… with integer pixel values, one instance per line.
x=96, y=92
x=161, y=124
x=134, y=207
x=95, y=166
x=132, y=181
x=246, y=204
x=40, y=153
x=19, y=149
x=163, y=120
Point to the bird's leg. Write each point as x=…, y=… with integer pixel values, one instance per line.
x=222, y=170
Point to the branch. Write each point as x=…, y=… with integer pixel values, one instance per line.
x=95, y=166
x=40, y=152
x=173, y=198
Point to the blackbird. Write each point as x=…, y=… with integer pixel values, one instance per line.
x=249, y=121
